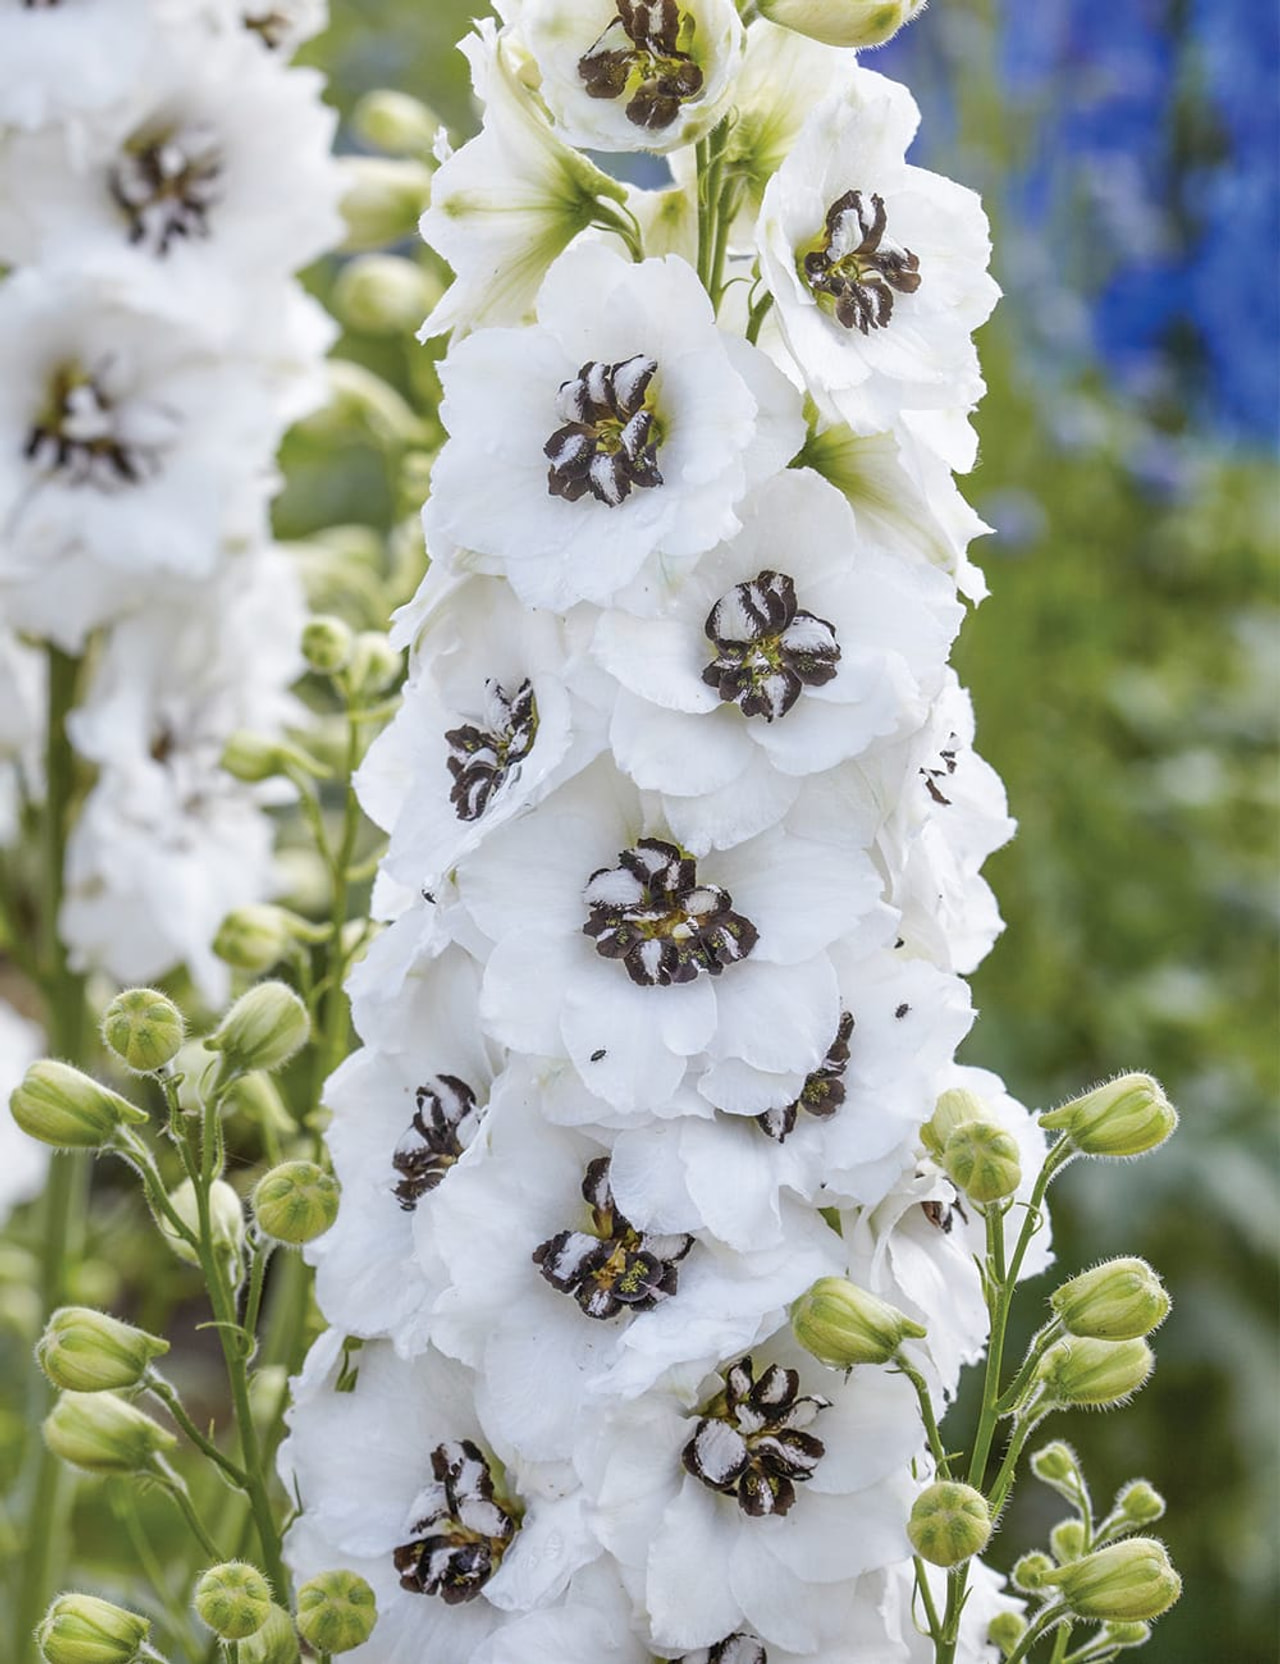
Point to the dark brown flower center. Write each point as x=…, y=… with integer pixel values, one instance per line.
x=442, y=1125
x=856, y=270
x=822, y=1093
x=751, y=1442
x=734, y=1649
x=461, y=1531
x=272, y=27
x=935, y=778
x=481, y=759
x=768, y=651
x=83, y=435
x=166, y=183
x=651, y=912
x=608, y=445
x=612, y=1267
x=643, y=56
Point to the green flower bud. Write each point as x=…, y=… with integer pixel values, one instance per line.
x=262, y=1030
x=983, y=1161
x=275, y=1643
x=384, y=294
x=226, y=1220
x=949, y=1523
x=396, y=123
x=1096, y=1372
x=1067, y=1540
x=1057, y=1464
x=336, y=1612
x=382, y=200
x=326, y=643
x=1127, y=1635
x=857, y=23
x=81, y=1629
x=375, y=663
x=1119, y=1300
x=1005, y=1630
x=61, y=1106
x=360, y=399
x=253, y=758
x=100, y=1433
x=1030, y=1572
x=955, y=1108
x=1139, y=1502
x=258, y=1099
x=144, y=1029
x=843, y=1325
x=1124, y=1117
x=1129, y=1582
x=234, y=1600
x=86, y=1351
x=295, y=1202
x=254, y=937
x=268, y=1387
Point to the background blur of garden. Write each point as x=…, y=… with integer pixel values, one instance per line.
x=1126, y=668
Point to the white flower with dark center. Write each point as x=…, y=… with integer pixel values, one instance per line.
x=500, y=707
x=631, y=74
x=618, y=950
x=562, y=1304
x=401, y=1484
x=750, y=1503
x=509, y=201
x=878, y=269
x=404, y=1110
x=278, y=25
x=783, y=653
x=126, y=452
x=618, y=435
x=218, y=175
x=23, y=1161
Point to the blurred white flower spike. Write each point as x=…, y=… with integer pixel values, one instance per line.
x=163, y=173
x=686, y=830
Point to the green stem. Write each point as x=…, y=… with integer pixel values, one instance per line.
x=1061, y=1641
x=125, y=1508
x=1049, y=1616
x=936, y=1446
x=175, y=1487
x=926, y=1596
x=167, y=1394
x=1004, y=1479
x=1040, y=1344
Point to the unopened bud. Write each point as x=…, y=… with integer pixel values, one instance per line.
x=100, y=1433
x=1121, y=1300
x=1005, y=1630
x=1067, y=1541
x=1030, y=1572
x=295, y=1202
x=81, y=1629
x=1124, y=1117
x=86, y=1351
x=336, y=1612
x=1056, y=1464
x=275, y=1643
x=856, y=23
x=257, y=1097
x=842, y=1325
x=264, y=1028
x=259, y=935
x=949, y=1523
x=1127, y=1635
x=233, y=1600
x=1128, y=1582
x=226, y=1220
x=382, y=200
x=384, y=294
x=253, y=758
x=1095, y=1372
x=144, y=1029
x=983, y=1161
x=395, y=122
x=268, y=1388
x=955, y=1108
x=360, y=399
x=61, y=1106
x=326, y=643
x=1141, y=1503
x=375, y=664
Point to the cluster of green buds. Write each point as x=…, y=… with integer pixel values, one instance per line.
x=336, y=1612
x=978, y=1155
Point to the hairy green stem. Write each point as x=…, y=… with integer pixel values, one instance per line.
x=175, y=1487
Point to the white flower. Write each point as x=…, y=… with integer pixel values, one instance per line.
x=783, y=653
x=506, y=204
x=493, y=718
x=631, y=74
x=878, y=269
x=751, y=1503
x=126, y=451
x=279, y=25
x=22, y=697
x=619, y=950
x=624, y=426
x=403, y=1113
x=563, y=1305
x=215, y=177
x=73, y=60
x=399, y=1483
x=23, y=1160
x=592, y=1626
